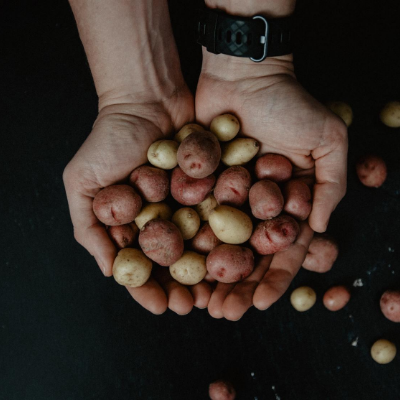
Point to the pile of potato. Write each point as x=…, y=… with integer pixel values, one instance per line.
x=202, y=207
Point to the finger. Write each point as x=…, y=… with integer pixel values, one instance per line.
x=283, y=268
x=201, y=294
x=240, y=299
x=217, y=299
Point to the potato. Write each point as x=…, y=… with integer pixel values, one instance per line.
x=225, y=127
x=322, y=253
x=390, y=305
x=151, y=183
x=232, y=187
x=390, y=114
x=163, y=154
x=117, y=205
x=131, y=268
x=161, y=241
x=221, y=390
x=266, y=200
x=383, y=351
x=190, y=191
x=273, y=235
x=342, y=110
x=206, y=206
x=303, y=298
x=205, y=240
x=230, y=263
x=199, y=154
x=297, y=197
x=189, y=269
x=123, y=235
x=230, y=225
x=274, y=167
x=188, y=222
x=336, y=298
x=153, y=211
x=187, y=130
x=239, y=151
x=371, y=170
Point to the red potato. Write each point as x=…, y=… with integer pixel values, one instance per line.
x=161, y=241
x=150, y=182
x=266, y=199
x=232, y=187
x=221, y=390
x=390, y=305
x=205, y=240
x=275, y=167
x=230, y=263
x=190, y=191
x=117, y=205
x=371, y=170
x=336, y=298
x=322, y=253
x=123, y=235
x=297, y=197
x=273, y=235
x=199, y=154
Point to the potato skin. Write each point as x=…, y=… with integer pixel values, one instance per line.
x=150, y=182
x=161, y=241
x=390, y=305
x=153, y=211
x=117, y=205
x=383, y=351
x=390, y=114
x=206, y=206
x=123, y=235
x=342, y=110
x=230, y=263
x=190, y=191
x=239, y=151
x=232, y=187
x=303, y=298
x=297, y=197
x=274, y=235
x=162, y=154
x=205, y=240
x=322, y=253
x=266, y=199
x=225, y=127
x=371, y=170
x=221, y=390
x=187, y=130
x=274, y=167
x=190, y=269
x=188, y=222
x=336, y=298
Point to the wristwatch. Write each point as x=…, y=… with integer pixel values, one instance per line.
x=256, y=38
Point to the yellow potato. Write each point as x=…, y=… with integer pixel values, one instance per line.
x=239, y=151
x=303, y=298
x=225, y=127
x=131, y=268
x=230, y=225
x=383, y=351
x=153, y=211
x=188, y=222
x=189, y=269
x=162, y=154
x=390, y=114
x=187, y=130
x=206, y=206
x=342, y=110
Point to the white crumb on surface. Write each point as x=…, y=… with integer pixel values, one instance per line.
x=354, y=343
x=391, y=250
x=358, y=283
x=252, y=373
x=277, y=397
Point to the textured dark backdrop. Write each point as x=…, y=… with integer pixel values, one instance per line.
x=68, y=333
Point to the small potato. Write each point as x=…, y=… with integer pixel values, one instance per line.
x=187, y=130
x=230, y=225
x=221, y=390
x=372, y=171
x=232, y=187
x=189, y=269
x=390, y=305
x=123, y=235
x=322, y=253
x=336, y=298
x=239, y=151
x=230, y=263
x=273, y=235
x=297, y=197
x=153, y=211
x=206, y=206
x=151, y=183
x=303, y=298
x=274, y=167
x=205, y=240
x=131, y=268
x=190, y=191
x=390, y=114
x=188, y=222
x=163, y=154
x=342, y=110
x=225, y=127
x=117, y=205
x=161, y=241
x=383, y=351
x=266, y=199
x=199, y=154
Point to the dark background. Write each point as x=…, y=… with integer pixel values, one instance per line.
x=68, y=333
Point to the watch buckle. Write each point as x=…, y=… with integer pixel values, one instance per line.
x=263, y=40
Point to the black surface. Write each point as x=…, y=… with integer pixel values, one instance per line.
x=68, y=333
